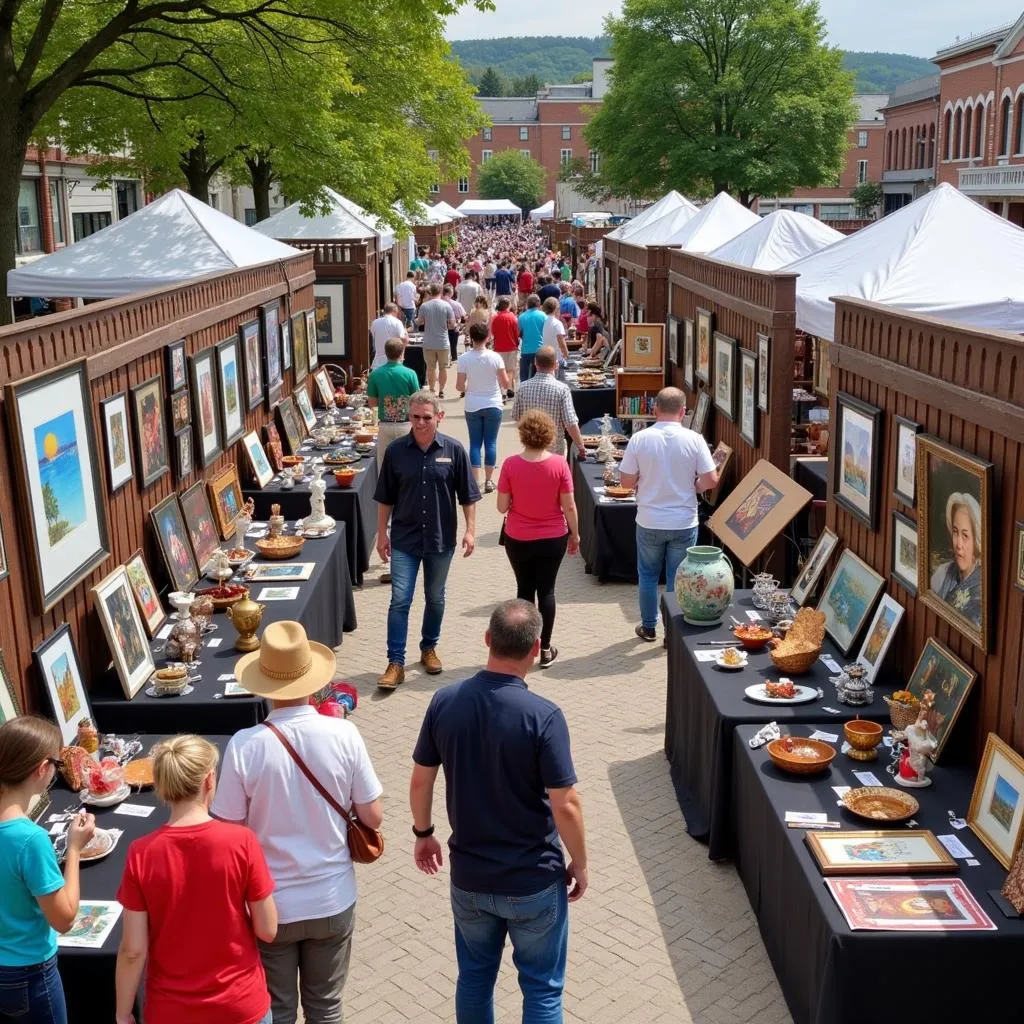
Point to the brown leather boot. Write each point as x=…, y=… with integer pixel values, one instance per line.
x=431, y=662
x=394, y=675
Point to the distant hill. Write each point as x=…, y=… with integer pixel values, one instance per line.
x=562, y=58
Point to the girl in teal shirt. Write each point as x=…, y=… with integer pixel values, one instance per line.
x=36, y=898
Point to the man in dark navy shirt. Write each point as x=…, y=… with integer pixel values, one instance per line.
x=423, y=477
x=510, y=793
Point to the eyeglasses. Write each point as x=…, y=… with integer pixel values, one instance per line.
x=56, y=762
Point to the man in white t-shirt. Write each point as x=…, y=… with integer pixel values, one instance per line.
x=405, y=296
x=555, y=336
x=669, y=465
x=469, y=289
x=302, y=836
x=384, y=327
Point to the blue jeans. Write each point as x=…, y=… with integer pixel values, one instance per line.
x=526, y=367
x=483, y=432
x=655, y=550
x=33, y=994
x=538, y=926
x=404, y=568
x=410, y=316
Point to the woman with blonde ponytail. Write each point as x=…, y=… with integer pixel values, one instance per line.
x=196, y=895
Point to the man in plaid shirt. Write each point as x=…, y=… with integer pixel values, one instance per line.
x=543, y=391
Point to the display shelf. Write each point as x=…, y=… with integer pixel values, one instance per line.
x=638, y=387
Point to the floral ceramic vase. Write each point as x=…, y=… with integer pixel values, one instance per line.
x=704, y=585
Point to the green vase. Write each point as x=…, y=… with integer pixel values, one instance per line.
x=704, y=585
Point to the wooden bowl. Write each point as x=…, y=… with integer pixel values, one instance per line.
x=619, y=492
x=880, y=803
x=363, y=437
x=292, y=460
x=279, y=547
x=808, y=757
x=753, y=637
x=862, y=735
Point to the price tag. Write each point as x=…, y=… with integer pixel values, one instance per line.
x=134, y=810
x=867, y=778
x=954, y=846
x=225, y=677
x=165, y=632
x=841, y=791
x=754, y=616
x=972, y=863
x=215, y=642
x=806, y=817
x=830, y=663
x=828, y=737
x=705, y=655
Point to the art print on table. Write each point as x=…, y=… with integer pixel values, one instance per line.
x=172, y=538
x=226, y=500
x=56, y=661
x=204, y=397
x=725, y=375
x=858, y=458
x=286, y=343
x=249, y=336
x=942, y=673
x=909, y=905
x=748, y=397
x=311, y=339
x=202, y=532
x=259, y=464
x=114, y=412
x=300, y=354
x=151, y=431
x=146, y=596
x=807, y=580
x=877, y=853
x=273, y=370
x=126, y=635
x=905, y=487
x=58, y=473
x=9, y=707
x=763, y=346
x=904, y=552
x=232, y=415
x=996, y=814
x=331, y=308
x=704, y=327
x=305, y=407
x=954, y=527
x=177, y=366
x=278, y=594
x=181, y=410
x=762, y=498
x=879, y=636
x=297, y=571
x=688, y=354
x=849, y=596
x=92, y=926
x=183, y=454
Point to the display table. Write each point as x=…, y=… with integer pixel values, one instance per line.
x=88, y=974
x=325, y=607
x=607, y=529
x=352, y=506
x=829, y=973
x=704, y=704
x=592, y=403
x=413, y=358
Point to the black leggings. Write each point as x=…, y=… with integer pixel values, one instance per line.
x=535, y=563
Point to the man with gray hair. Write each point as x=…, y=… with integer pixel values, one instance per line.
x=668, y=465
x=511, y=796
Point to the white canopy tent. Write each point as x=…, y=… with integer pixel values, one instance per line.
x=943, y=255
x=778, y=239
x=174, y=239
x=668, y=203
x=664, y=229
x=422, y=216
x=344, y=220
x=489, y=208
x=717, y=223
x=448, y=211
x=544, y=212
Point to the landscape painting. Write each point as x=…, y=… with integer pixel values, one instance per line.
x=996, y=813
x=57, y=663
x=940, y=672
x=60, y=471
x=848, y=599
x=858, y=458
x=114, y=413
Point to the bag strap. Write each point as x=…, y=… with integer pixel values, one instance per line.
x=294, y=754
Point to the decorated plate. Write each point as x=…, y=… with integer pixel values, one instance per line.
x=101, y=844
x=342, y=459
x=880, y=803
x=758, y=693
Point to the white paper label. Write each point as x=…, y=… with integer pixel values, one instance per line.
x=841, y=791
x=806, y=817
x=216, y=642
x=830, y=663
x=828, y=737
x=972, y=863
x=954, y=846
x=134, y=810
x=754, y=616
x=56, y=830
x=867, y=778
x=225, y=677
x=705, y=655
x=887, y=741
x=165, y=632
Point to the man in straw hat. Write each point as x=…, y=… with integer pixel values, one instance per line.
x=511, y=794
x=303, y=837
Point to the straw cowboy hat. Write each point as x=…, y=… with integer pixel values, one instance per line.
x=287, y=665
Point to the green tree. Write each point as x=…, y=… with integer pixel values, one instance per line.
x=491, y=84
x=868, y=197
x=584, y=181
x=512, y=175
x=524, y=85
x=742, y=96
x=51, y=508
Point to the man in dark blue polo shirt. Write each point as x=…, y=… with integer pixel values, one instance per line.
x=510, y=790
x=422, y=478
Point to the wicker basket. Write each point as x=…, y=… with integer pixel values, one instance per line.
x=279, y=547
x=902, y=715
x=795, y=664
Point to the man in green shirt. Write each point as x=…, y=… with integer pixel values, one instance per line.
x=420, y=263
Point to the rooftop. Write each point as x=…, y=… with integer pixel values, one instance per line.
x=911, y=92
x=976, y=39
x=870, y=104
x=509, y=108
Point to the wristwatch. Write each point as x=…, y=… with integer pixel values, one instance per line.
x=425, y=833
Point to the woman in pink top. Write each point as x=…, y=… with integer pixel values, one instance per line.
x=535, y=493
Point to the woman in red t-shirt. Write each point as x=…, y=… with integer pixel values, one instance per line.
x=535, y=492
x=505, y=332
x=196, y=895
x=524, y=284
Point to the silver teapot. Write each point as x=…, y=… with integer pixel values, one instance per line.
x=852, y=686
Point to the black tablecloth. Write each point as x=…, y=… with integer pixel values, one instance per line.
x=88, y=974
x=607, y=531
x=591, y=403
x=704, y=704
x=325, y=606
x=354, y=506
x=829, y=973
x=414, y=360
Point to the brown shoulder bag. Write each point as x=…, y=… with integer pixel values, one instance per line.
x=365, y=844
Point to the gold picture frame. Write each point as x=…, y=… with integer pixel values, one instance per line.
x=996, y=814
x=225, y=500
x=895, y=852
x=643, y=346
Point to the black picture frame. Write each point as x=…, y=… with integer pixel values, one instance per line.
x=201, y=365
x=251, y=347
x=285, y=326
x=177, y=366
x=703, y=327
x=121, y=398
x=902, y=425
x=149, y=471
x=909, y=584
x=764, y=345
x=273, y=366
x=66, y=721
x=843, y=474
x=226, y=349
x=722, y=342
x=184, y=456
x=180, y=409
x=300, y=347
x=748, y=359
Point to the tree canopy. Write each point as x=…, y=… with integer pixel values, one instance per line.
x=512, y=175
x=742, y=96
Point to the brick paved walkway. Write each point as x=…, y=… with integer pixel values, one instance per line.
x=663, y=935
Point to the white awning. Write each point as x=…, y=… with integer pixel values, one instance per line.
x=488, y=208
x=671, y=202
x=778, y=239
x=544, y=212
x=718, y=222
x=344, y=221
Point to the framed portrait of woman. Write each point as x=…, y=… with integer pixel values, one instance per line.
x=954, y=535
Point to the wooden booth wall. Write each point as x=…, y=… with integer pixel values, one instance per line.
x=642, y=273
x=124, y=341
x=964, y=387
x=428, y=236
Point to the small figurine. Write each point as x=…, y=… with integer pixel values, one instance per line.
x=318, y=520
x=852, y=686
x=914, y=762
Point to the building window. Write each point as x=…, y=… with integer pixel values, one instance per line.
x=57, y=214
x=833, y=211
x=212, y=202
x=525, y=152
x=486, y=155
x=595, y=162
x=566, y=131
x=862, y=140
x=29, y=236
x=566, y=157
x=250, y=216
x=435, y=189
x=463, y=184
x=524, y=134
x=431, y=154
x=958, y=134
x=1004, y=138
x=128, y=198
x=947, y=133
x=487, y=134
x=862, y=171
x=85, y=224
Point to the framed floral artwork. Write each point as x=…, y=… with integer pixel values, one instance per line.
x=748, y=397
x=126, y=636
x=114, y=413
x=57, y=663
x=172, y=539
x=688, y=353
x=181, y=410
x=203, y=367
x=311, y=339
x=151, y=431
x=146, y=596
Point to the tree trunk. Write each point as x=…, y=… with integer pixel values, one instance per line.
x=198, y=171
x=12, y=157
x=261, y=176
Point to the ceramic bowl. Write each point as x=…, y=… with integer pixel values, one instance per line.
x=862, y=735
x=808, y=757
x=344, y=477
x=752, y=637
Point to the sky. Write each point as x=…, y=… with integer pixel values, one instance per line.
x=919, y=27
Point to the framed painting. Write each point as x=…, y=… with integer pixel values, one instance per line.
x=822, y=368
x=905, y=487
x=996, y=814
x=232, y=415
x=259, y=464
x=904, y=552
x=273, y=371
x=748, y=397
x=673, y=341
x=58, y=479
x=724, y=382
x=643, y=346
x=249, y=338
x=879, y=853
x=954, y=530
x=701, y=410
x=1017, y=555
x=9, y=706
x=145, y=593
x=330, y=302
x=204, y=399
x=181, y=410
x=311, y=339
x=848, y=598
x=202, y=532
x=114, y=412
x=909, y=905
x=300, y=354
x=763, y=347
x=688, y=354
x=126, y=636
x=226, y=499
x=172, y=539
x=56, y=660
x=880, y=635
x=151, y=431
x=705, y=322
x=290, y=424
x=722, y=457
x=807, y=579
x=5, y=569
x=286, y=343
x=858, y=458
x=757, y=510
x=305, y=407
x=177, y=366
x=323, y=386
x=1013, y=888
x=183, y=454
x=942, y=673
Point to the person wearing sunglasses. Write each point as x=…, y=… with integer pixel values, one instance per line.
x=37, y=900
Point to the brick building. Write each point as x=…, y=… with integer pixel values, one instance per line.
x=911, y=127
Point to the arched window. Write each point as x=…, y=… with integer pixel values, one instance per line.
x=967, y=149
x=947, y=136
x=1004, y=135
x=918, y=145
x=888, y=151
x=1019, y=141
x=958, y=133
x=931, y=146
x=903, y=149
x=980, y=117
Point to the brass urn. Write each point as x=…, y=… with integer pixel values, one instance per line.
x=245, y=616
